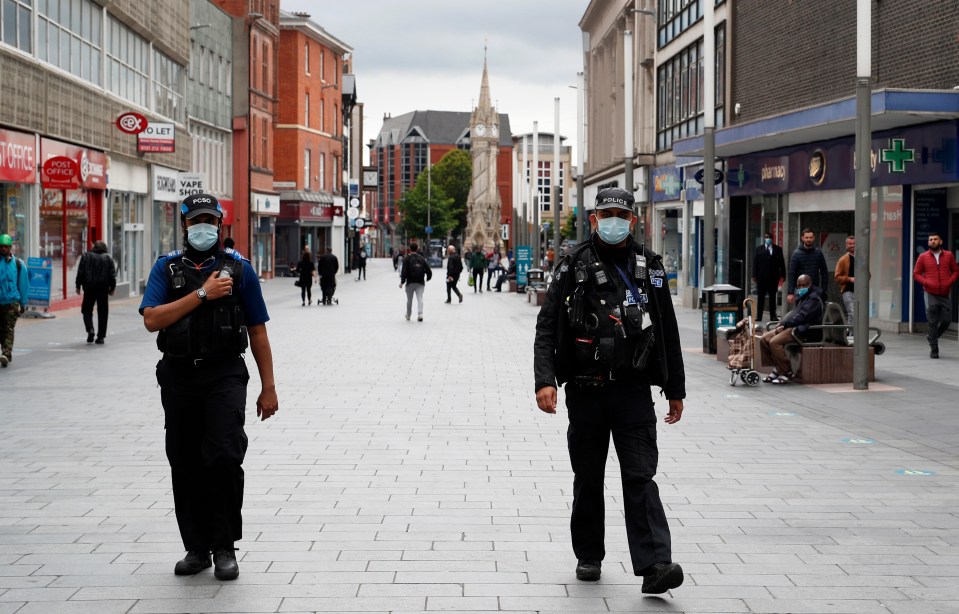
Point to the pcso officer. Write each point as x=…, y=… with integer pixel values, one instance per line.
x=205, y=302
x=608, y=331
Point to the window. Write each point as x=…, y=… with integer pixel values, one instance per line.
x=322, y=185
x=68, y=34
x=168, y=87
x=127, y=65
x=677, y=16
x=16, y=22
x=680, y=92
x=336, y=166
x=306, y=111
x=306, y=57
x=265, y=61
x=265, y=143
x=306, y=169
x=336, y=119
x=322, y=114
x=322, y=65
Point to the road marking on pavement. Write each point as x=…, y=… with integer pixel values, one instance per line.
x=915, y=472
x=781, y=413
x=858, y=440
x=734, y=396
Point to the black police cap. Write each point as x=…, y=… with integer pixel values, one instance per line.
x=198, y=204
x=614, y=198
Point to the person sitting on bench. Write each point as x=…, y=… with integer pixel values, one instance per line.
x=808, y=312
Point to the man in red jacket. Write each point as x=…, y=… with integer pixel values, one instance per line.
x=936, y=270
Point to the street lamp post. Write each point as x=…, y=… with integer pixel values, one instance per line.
x=709, y=145
x=860, y=365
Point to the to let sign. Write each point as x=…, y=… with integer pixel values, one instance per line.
x=60, y=173
x=157, y=138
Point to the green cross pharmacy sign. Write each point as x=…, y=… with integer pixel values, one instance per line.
x=897, y=155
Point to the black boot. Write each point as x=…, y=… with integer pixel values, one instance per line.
x=588, y=571
x=661, y=577
x=193, y=563
x=226, y=567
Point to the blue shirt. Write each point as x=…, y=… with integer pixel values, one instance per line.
x=13, y=288
x=160, y=288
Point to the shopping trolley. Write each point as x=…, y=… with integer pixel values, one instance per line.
x=742, y=349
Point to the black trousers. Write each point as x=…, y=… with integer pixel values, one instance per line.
x=452, y=289
x=626, y=411
x=767, y=291
x=477, y=280
x=99, y=296
x=204, y=408
x=361, y=271
x=306, y=290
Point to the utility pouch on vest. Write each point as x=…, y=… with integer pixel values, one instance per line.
x=174, y=340
x=633, y=316
x=644, y=348
x=605, y=353
x=576, y=308
x=584, y=350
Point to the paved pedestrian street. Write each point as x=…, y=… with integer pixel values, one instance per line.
x=408, y=470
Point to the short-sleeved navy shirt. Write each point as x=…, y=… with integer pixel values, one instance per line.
x=160, y=287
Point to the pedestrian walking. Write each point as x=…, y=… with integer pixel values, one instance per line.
x=204, y=301
x=492, y=266
x=415, y=273
x=936, y=272
x=361, y=264
x=13, y=296
x=477, y=268
x=807, y=260
x=846, y=278
x=327, y=266
x=617, y=337
x=769, y=272
x=97, y=280
x=305, y=270
x=454, y=267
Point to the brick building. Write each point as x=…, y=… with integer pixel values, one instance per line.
x=256, y=35
x=310, y=133
x=400, y=153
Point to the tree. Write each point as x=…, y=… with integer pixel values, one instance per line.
x=454, y=174
x=426, y=204
x=568, y=231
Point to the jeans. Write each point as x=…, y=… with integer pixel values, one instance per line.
x=938, y=314
x=416, y=289
x=849, y=300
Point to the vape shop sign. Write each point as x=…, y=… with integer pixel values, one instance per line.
x=157, y=138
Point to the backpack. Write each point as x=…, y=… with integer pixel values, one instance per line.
x=417, y=272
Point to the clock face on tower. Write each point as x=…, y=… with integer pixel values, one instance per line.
x=480, y=130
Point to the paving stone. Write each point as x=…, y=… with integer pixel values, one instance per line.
x=421, y=482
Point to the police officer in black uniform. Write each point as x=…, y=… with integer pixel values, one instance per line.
x=207, y=305
x=608, y=331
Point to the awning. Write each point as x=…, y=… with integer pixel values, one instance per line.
x=890, y=109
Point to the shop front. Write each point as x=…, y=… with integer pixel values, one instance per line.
x=80, y=219
x=129, y=185
x=915, y=191
x=305, y=221
x=18, y=176
x=670, y=226
x=265, y=210
x=165, y=194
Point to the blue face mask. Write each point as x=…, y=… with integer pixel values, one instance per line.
x=802, y=291
x=613, y=230
x=202, y=236
x=769, y=242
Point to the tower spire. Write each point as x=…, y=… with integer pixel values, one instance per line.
x=484, y=99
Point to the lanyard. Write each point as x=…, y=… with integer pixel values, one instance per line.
x=629, y=282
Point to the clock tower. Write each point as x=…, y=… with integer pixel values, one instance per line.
x=483, y=206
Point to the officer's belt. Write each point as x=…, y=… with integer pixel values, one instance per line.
x=199, y=361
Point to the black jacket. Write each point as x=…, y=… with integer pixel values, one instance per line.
x=807, y=262
x=552, y=348
x=328, y=265
x=768, y=268
x=808, y=312
x=408, y=275
x=97, y=269
x=454, y=266
x=305, y=271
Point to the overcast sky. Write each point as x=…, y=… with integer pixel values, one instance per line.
x=413, y=55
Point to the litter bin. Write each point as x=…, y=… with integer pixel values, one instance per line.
x=722, y=308
x=536, y=279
